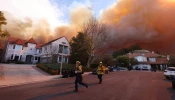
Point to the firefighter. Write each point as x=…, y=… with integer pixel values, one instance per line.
x=100, y=72
x=79, y=79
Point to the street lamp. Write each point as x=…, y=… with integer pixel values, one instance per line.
x=62, y=58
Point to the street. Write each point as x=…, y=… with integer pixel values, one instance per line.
x=124, y=85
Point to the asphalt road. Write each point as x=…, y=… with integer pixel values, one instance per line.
x=124, y=85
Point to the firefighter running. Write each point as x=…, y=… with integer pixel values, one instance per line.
x=100, y=72
x=79, y=76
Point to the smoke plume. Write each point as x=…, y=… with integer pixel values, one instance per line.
x=149, y=23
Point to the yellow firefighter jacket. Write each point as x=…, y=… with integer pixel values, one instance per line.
x=100, y=69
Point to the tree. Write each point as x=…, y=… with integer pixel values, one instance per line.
x=79, y=48
x=2, y=22
x=135, y=47
x=97, y=36
x=172, y=61
x=120, y=52
x=51, y=53
x=133, y=61
x=125, y=61
x=124, y=51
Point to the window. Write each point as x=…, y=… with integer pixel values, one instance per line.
x=12, y=56
x=13, y=46
x=36, y=58
x=65, y=49
x=152, y=59
x=65, y=59
x=40, y=50
x=60, y=59
x=60, y=49
x=171, y=69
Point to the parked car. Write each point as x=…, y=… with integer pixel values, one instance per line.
x=169, y=73
x=145, y=68
x=121, y=69
x=111, y=69
x=94, y=71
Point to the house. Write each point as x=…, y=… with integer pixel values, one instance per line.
x=55, y=51
x=148, y=60
x=30, y=51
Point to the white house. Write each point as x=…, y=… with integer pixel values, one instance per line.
x=148, y=60
x=57, y=50
x=30, y=51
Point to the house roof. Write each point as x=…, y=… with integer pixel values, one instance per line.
x=38, y=45
x=31, y=41
x=19, y=41
x=148, y=55
x=53, y=40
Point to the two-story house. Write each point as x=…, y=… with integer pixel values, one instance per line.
x=31, y=52
x=148, y=60
x=55, y=51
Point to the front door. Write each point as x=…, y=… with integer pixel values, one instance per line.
x=29, y=59
x=16, y=58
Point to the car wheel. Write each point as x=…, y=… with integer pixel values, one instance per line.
x=167, y=77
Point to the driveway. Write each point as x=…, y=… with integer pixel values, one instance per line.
x=15, y=74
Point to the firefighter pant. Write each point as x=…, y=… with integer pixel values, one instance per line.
x=79, y=80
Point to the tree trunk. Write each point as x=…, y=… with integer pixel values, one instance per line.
x=89, y=61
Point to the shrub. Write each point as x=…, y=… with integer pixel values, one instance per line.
x=19, y=62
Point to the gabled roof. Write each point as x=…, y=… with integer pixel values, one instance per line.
x=54, y=40
x=31, y=41
x=18, y=41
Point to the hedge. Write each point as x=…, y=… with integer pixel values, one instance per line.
x=54, y=69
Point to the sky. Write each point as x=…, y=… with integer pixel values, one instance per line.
x=56, y=11
x=149, y=23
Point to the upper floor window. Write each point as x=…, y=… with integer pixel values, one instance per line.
x=40, y=50
x=152, y=59
x=13, y=46
x=60, y=49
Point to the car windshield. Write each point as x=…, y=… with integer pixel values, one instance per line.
x=171, y=69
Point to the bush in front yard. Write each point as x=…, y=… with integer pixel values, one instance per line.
x=19, y=62
x=54, y=69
